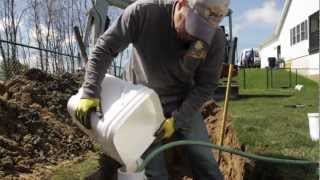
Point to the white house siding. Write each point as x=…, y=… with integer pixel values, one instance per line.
x=268, y=51
x=308, y=65
x=298, y=12
x=297, y=54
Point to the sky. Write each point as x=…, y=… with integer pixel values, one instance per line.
x=254, y=20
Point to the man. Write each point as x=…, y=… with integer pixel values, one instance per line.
x=178, y=50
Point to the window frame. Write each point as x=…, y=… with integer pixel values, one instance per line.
x=291, y=37
x=314, y=35
x=298, y=31
x=294, y=36
x=307, y=28
x=302, y=31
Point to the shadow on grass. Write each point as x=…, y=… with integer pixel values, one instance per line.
x=247, y=96
x=221, y=97
x=266, y=170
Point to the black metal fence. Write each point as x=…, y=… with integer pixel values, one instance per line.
x=15, y=58
x=270, y=78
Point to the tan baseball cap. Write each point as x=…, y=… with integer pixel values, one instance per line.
x=204, y=17
x=212, y=10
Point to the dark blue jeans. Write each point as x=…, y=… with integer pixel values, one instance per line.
x=203, y=165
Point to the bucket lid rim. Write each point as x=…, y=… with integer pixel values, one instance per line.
x=313, y=114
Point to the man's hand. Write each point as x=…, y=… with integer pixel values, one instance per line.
x=166, y=130
x=84, y=109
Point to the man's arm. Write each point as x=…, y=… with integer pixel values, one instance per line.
x=206, y=81
x=123, y=32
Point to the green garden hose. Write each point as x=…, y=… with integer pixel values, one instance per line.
x=222, y=148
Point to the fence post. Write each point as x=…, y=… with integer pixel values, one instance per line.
x=82, y=47
x=244, y=78
x=271, y=78
x=296, y=76
x=290, y=78
x=267, y=77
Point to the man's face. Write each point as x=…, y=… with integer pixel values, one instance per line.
x=213, y=13
x=206, y=20
x=179, y=18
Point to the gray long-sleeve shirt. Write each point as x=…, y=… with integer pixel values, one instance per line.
x=157, y=61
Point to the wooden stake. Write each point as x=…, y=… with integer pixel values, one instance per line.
x=225, y=111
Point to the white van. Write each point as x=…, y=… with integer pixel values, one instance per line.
x=250, y=58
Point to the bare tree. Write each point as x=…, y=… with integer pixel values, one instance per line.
x=49, y=4
x=35, y=8
x=50, y=26
x=11, y=19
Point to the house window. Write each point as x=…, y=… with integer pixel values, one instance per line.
x=294, y=35
x=314, y=33
x=303, y=31
x=279, y=52
x=306, y=28
x=291, y=37
x=298, y=33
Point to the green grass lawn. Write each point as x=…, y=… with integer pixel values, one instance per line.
x=263, y=122
x=266, y=126
x=78, y=170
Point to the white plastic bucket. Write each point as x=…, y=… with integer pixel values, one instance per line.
x=314, y=125
x=131, y=116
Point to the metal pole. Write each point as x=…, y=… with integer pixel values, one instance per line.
x=296, y=76
x=244, y=78
x=81, y=44
x=267, y=75
x=271, y=79
x=230, y=23
x=290, y=77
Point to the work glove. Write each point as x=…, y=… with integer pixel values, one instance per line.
x=166, y=130
x=85, y=107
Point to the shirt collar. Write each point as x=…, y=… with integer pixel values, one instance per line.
x=174, y=3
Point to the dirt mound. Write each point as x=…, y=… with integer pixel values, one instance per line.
x=232, y=166
x=35, y=129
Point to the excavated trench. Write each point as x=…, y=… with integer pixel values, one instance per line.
x=36, y=131
x=232, y=166
x=235, y=167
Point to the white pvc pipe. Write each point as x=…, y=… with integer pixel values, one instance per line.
x=314, y=125
x=131, y=175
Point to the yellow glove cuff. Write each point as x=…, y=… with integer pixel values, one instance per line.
x=86, y=104
x=168, y=127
